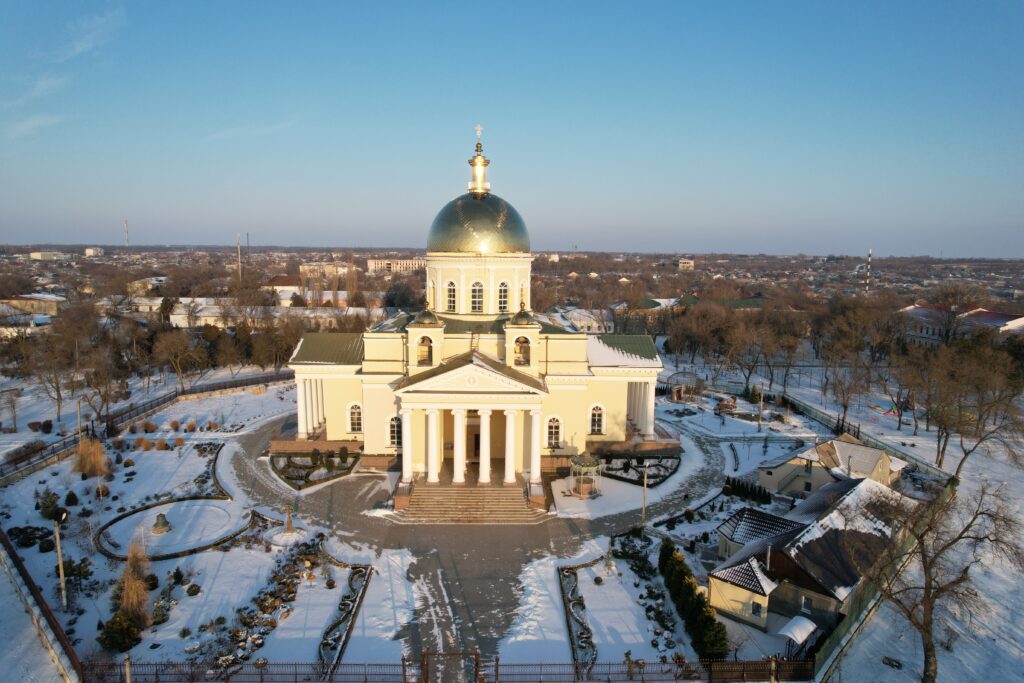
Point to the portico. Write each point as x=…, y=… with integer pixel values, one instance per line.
x=471, y=408
x=472, y=441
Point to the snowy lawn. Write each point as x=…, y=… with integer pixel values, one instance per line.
x=619, y=496
x=539, y=632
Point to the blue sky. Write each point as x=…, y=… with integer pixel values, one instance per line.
x=738, y=127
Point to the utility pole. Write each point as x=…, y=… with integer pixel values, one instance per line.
x=238, y=246
x=62, y=514
x=760, y=407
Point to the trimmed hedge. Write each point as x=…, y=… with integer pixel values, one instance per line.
x=707, y=634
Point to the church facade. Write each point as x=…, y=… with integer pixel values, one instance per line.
x=477, y=387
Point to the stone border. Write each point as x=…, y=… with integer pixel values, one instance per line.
x=581, y=636
x=348, y=618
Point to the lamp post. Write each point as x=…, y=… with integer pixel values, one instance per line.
x=61, y=515
x=643, y=514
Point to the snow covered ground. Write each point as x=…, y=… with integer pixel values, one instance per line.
x=987, y=644
x=23, y=656
x=619, y=496
x=539, y=633
x=34, y=405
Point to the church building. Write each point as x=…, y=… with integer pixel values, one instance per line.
x=477, y=387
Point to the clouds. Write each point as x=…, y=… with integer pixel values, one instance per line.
x=88, y=34
x=44, y=85
x=23, y=128
x=249, y=131
x=82, y=37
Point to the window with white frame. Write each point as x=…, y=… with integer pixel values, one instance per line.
x=806, y=604
x=355, y=419
x=521, y=351
x=597, y=420
x=395, y=432
x=451, y=297
x=554, y=433
x=476, y=297
x=503, y=297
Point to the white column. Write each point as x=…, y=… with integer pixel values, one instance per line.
x=407, y=449
x=318, y=415
x=323, y=406
x=535, y=416
x=310, y=408
x=485, y=447
x=630, y=414
x=432, y=460
x=459, y=464
x=510, y=447
x=649, y=409
x=300, y=397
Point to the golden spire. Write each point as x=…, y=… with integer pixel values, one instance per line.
x=479, y=184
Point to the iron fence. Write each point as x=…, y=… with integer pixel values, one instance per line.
x=469, y=668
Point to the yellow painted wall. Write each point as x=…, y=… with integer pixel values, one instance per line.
x=737, y=602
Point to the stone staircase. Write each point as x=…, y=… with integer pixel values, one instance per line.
x=468, y=505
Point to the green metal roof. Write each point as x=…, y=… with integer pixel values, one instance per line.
x=634, y=344
x=330, y=348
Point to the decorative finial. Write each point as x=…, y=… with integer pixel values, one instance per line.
x=522, y=306
x=479, y=185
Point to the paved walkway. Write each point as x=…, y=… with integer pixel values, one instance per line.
x=470, y=573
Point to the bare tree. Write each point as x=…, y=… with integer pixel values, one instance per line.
x=986, y=410
x=10, y=403
x=50, y=364
x=176, y=348
x=930, y=552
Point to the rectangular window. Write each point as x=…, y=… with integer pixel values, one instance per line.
x=807, y=486
x=503, y=298
x=477, y=298
x=806, y=604
x=755, y=609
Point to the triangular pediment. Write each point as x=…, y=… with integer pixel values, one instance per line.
x=471, y=373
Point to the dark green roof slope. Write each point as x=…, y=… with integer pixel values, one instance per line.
x=330, y=348
x=634, y=344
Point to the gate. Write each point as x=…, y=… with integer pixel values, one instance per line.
x=442, y=667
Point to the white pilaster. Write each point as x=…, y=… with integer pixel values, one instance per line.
x=535, y=417
x=459, y=464
x=432, y=437
x=510, y=447
x=407, y=449
x=485, y=447
x=300, y=397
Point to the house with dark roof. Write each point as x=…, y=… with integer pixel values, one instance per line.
x=807, y=563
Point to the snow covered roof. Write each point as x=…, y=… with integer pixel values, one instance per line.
x=834, y=548
x=750, y=524
x=622, y=350
x=748, y=575
x=798, y=629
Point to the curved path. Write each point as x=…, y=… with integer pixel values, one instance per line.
x=471, y=574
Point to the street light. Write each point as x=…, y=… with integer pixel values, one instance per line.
x=643, y=518
x=59, y=517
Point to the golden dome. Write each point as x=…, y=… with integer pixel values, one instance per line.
x=480, y=224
